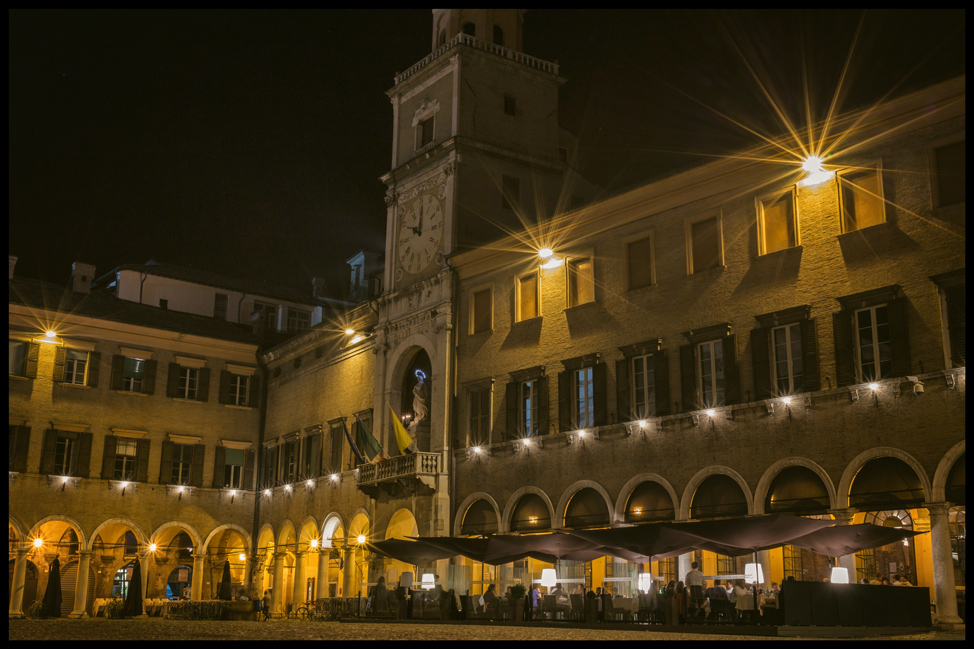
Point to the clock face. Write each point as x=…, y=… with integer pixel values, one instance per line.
x=420, y=233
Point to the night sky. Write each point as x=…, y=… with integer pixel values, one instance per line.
x=251, y=142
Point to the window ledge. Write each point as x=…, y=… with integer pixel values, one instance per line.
x=581, y=307
x=230, y=405
x=123, y=486
x=132, y=394
x=794, y=250
x=878, y=227
x=528, y=321
x=17, y=377
x=181, y=399
x=485, y=332
x=707, y=270
x=642, y=289
x=78, y=386
x=63, y=481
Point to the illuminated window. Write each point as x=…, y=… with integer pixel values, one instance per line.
x=75, y=366
x=239, y=389
x=581, y=281
x=710, y=375
x=233, y=468
x=479, y=419
x=786, y=349
x=133, y=374
x=268, y=314
x=182, y=463
x=704, y=244
x=311, y=456
x=861, y=199
x=527, y=408
x=777, y=229
x=643, y=386
x=126, y=452
x=639, y=263
x=527, y=297
x=874, y=349
x=950, y=167
x=289, y=461
x=510, y=192
x=481, y=312
x=583, y=397
x=188, y=382
x=65, y=454
x=298, y=320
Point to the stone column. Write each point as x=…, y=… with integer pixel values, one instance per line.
x=17, y=587
x=277, y=586
x=848, y=561
x=683, y=563
x=764, y=559
x=945, y=591
x=348, y=555
x=322, y=579
x=300, y=588
x=81, y=587
x=248, y=577
x=146, y=564
x=196, y=590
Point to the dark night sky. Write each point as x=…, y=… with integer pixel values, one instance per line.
x=251, y=143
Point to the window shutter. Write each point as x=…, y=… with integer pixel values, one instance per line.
x=761, y=361
x=845, y=360
x=248, y=471
x=623, y=410
x=203, y=393
x=732, y=376
x=118, y=366
x=94, y=360
x=510, y=430
x=957, y=325
x=47, y=451
x=336, y=450
x=219, y=467
x=84, y=454
x=59, y=355
x=33, y=353
x=108, y=458
x=598, y=385
x=899, y=333
x=224, y=395
x=172, y=381
x=542, y=405
x=813, y=379
x=688, y=379
x=316, y=455
x=661, y=374
x=149, y=385
x=485, y=416
x=21, y=444
x=253, y=392
x=165, y=468
x=564, y=401
x=142, y=461
x=196, y=473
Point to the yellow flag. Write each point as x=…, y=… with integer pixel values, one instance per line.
x=406, y=443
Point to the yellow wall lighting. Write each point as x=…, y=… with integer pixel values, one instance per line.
x=815, y=172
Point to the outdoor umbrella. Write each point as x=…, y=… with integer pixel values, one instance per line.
x=225, y=582
x=133, y=599
x=739, y=536
x=52, y=596
x=641, y=542
x=472, y=548
x=412, y=552
x=841, y=540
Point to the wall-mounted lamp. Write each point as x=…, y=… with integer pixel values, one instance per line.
x=815, y=173
x=477, y=452
x=854, y=394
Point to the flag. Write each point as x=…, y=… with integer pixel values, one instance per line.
x=348, y=436
x=406, y=443
x=370, y=446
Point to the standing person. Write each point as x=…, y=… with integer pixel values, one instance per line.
x=265, y=604
x=695, y=577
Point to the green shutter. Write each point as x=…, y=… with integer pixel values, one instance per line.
x=254, y=392
x=118, y=367
x=21, y=444
x=688, y=379
x=899, y=333
x=33, y=353
x=219, y=467
x=957, y=325
x=598, y=385
x=172, y=381
x=59, y=355
x=84, y=455
x=510, y=408
x=165, y=467
x=149, y=384
x=108, y=458
x=224, y=394
x=813, y=378
x=761, y=363
x=203, y=392
x=142, y=461
x=47, y=451
x=543, y=418
x=196, y=473
x=845, y=361
x=564, y=401
x=661, y=374
x=248, y=471
x=623, y=409
x=94, y=361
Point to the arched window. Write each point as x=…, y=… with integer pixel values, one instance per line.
x=131, y=545
x=469, y=29
x=441, y=40
x=586, y=509
x=649, y=502
x=498, y=35
x=479, y=519
x=530, y=515
x=718, y=496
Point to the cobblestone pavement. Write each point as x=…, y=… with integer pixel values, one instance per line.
x=158, y=629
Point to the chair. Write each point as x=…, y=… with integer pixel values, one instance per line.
x=549, y=606
x=720, y=609
x=578, y=607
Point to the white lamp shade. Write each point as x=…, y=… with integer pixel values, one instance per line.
x=406, y=581
x=839, y=575
x=428, y=578
x=548, y=578
x=753, y=573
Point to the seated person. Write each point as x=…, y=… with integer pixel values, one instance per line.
x=900, y=581
x=717, y=591
x=491, y=602
x=877, y=580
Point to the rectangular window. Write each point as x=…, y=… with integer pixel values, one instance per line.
x=510, y=105
x=239, y=389
x=125, y=454
x=510, y=192
x=289, y=461
x=639, y=263
x=874, y=349
x=233, y=468
x=704, y=245
x=528, y=409
x=786, y=358
x=65, y=454
x=480, y=416
x=182, y=462
x=951, y=169
x=188, y=382
x=644, y=386
x=710, y=361
x=75, y=366
x=792, y=562
x=17, y=357
x=861, y=199
x=424, y=132
x=220, y=301
x=298, y=320
x=481, y=318
x=309, y=456
x=583, y=397
x=133, y=374
x=527, y=297
x=777, y=229
x=270, y=466
x=337, y=445
x=581, y=281
x=268, y=313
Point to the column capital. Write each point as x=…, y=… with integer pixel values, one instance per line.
x=198, y=558
x=86, y=553
x=22, y=550
x=938, y=509
x=843, y=516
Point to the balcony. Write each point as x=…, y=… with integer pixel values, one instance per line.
x=404, y=475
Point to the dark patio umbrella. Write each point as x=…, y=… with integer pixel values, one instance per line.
x=52, y=596
x=641, y=542
x=225, y=581
x=740, y=536
x=133, y=599
x=841, y=540
x=413, y=552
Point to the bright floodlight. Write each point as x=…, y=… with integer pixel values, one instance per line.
x=38, y=543
x=544, y=253
x=581, y=433
x=786, y=400
x=643, y=423
x=812, y=165
x=267, y=492
x=314, y=543
x=476, y=449
x=243, y=557
x=309, y=483
x=50, y=333
x=349, y=332
x=361, y=539
x=152, y=547
x=874, y=386
x=711, y=412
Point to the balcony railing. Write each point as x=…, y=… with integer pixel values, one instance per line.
x=476, y=43
x=403, y=466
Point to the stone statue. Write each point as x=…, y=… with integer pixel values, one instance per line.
x=420, y=400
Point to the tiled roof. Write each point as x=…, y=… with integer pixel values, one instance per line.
x=36, y=294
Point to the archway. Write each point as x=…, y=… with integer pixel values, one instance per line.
x=357, y=559
x=530, y=514
x=649, y=502
x=797, y=490
x=333, y=538
x=263, y=561
x=227, y=544
x=718, y=496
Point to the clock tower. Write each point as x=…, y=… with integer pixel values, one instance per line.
x=475, y=156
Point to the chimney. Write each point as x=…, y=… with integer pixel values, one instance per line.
x=82, y=275
x=13, y=262
x=319, y=288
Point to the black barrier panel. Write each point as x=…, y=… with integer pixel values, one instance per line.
x=849, y=601
x=897, y=605
x=918, y=605
x=825, y=605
